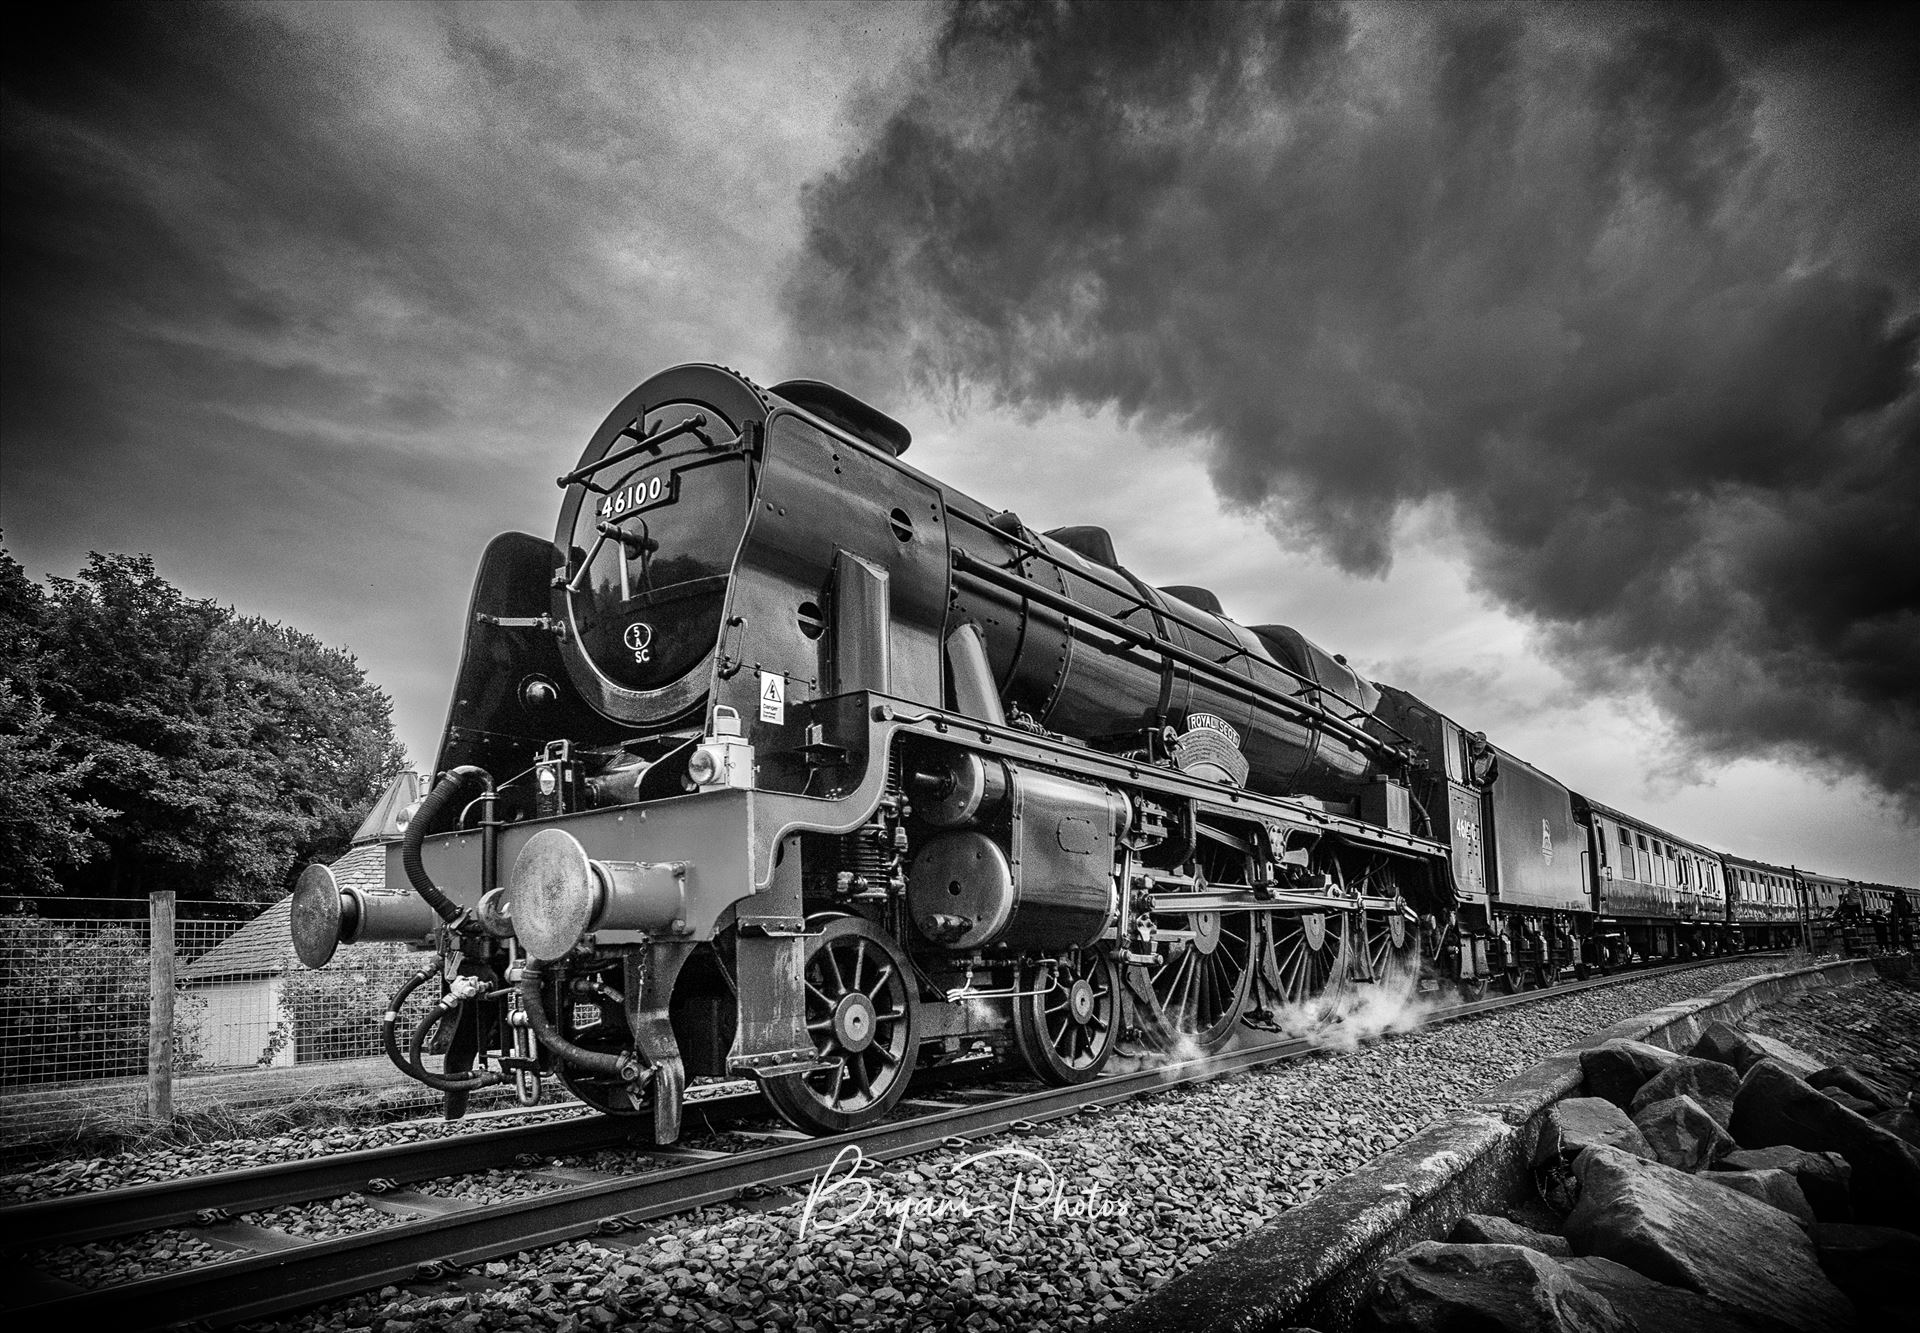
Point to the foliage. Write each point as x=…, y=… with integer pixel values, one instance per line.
x=151, y=740
x=335, y=1013
x=77, y=1003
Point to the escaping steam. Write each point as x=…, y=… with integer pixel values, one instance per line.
x=1628, y=292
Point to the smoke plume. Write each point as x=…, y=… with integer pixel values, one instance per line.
x=1629, y=293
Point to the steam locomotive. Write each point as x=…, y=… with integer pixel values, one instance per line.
x=784, y=759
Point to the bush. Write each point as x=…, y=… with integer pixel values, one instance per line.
x=75, y=1003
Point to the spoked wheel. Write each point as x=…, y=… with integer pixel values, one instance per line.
x=1298, y=954
x=861, y=1013
x=1512, y=980
x=1474, y=988
x=1545, y=975
x=1392, y=950
x=1202, y=981
x=1068, y=1027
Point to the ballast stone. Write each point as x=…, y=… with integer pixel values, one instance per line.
x=1682, y=1230
x=1682, y=1134
x=1709, y=1083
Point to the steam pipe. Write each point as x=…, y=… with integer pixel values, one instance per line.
x=444, y=793
x=600, y=1062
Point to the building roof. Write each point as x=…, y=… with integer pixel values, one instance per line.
x=383, y=822
x=264, y=946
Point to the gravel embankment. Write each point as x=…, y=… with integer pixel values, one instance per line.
x=1044, y=1232
x=1874, y=1027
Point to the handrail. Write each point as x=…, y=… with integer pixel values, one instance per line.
x=972, y=566
x=1139, y=603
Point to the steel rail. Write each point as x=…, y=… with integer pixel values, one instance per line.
x=75, y=1219
x=268, y=1284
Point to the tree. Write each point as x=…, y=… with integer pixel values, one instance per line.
x=43, y=822
x=201, y=751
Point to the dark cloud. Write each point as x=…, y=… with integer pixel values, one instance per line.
x=310, y=300
x=1630, y=292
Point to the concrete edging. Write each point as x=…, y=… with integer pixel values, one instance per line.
x=1313, y=1264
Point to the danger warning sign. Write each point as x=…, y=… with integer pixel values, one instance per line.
x=773, y=697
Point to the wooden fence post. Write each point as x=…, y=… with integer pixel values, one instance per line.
x=160, y=1006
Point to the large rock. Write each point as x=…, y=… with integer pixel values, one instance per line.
x=1773, y=1107
x=1435, y=1287
x=1687, y=1232
x=1485, y=1229
x=1822, y=1176
x=1874, y=1265
x=1729, y=1045
x=1682, y=1135
x=1855, y=1084
x=1570, y=1127
x=1616, y=1069
x=1903, y=1124
x=1860, y=1106
x=1708, y=1082
x=1775, y=1187
x=1657, y=1308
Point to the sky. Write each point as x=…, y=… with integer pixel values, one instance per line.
x=1555, y=363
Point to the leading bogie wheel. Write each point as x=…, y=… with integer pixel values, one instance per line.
x=861, y=1011
x=1068, y=1021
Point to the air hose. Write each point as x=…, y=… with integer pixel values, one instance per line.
x=411, y=1064
x=444, y=792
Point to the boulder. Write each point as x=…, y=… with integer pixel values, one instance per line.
x=1730, y=1046
x=1616, y=1069
x=1822, y=1176
x=1657, y=1308
x=1773, y=1186
x=1901, y=1123
x=1855, y=1084
x=1485, y=1229
x=1773, y=1107
x=1860, y=1106
x=1571, y=1126
x=1685, y=1231
x=1873, y=1265
x=1682, y=1135
x=1434, y=1287
x=1708, y=1082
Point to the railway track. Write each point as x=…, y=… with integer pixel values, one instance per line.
x=273, y=1272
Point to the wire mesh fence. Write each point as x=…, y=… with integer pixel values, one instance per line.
x=251, y=1026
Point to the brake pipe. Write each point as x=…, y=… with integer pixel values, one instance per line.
x=411, y=1064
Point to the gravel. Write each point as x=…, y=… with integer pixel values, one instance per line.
x=106, y=1264
x=1874, y=1027
x=1052, y=1230
x=149, y=1165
